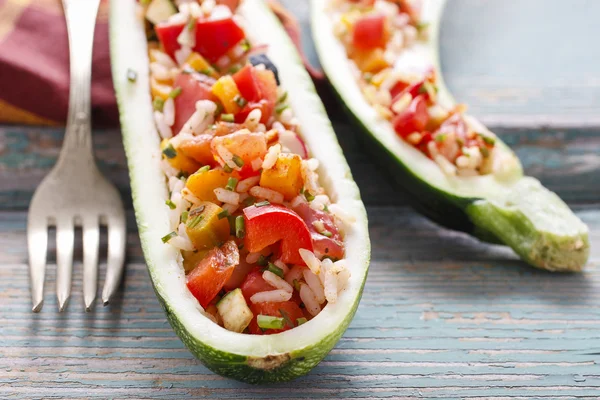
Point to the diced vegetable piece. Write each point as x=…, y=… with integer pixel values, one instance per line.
x=204, y=227
x=258, y=59
x=370, y=60
x=370, y=32
x=285, y=177
x=240, y=274
x=191, y=259
x=180, y=161
x=226, y=90
x=214, y=38
x=159, y=89
x=232, y=4
x=247, y=84
x=271, y=224
x=167, y=33
x=268, y=89
x=194, y=87
x=199, y=64
x=268, y=322
x=330, y=245
x=234, y=311
x=208, y=278
x=286, y=310
x=203, y=183
x=244, y=144
x=254, y=283
x=160, y=10
x=413, y=119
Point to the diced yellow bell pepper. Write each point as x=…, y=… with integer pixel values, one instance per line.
x=285, y=177
x=370, y=61
x=192, y=258
x=199, y=64
x=226, y=90
x=180, y=161
x=203, y=183
x=204, y=228
x=160, y=89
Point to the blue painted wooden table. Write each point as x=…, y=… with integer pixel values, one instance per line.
x=443, y=316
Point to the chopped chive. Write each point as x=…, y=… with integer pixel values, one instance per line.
x=262, y=203
x=158, y=104
x=145, y=2
x=192, y=223
x=191, y=24
x=484, y=152
x=169, y=151
x=275, y=269
x=175, y=92
x=368, y=77
x=206, y=71
x=262, y=261
x=487, y=139
x=301, y=321
x=187, y=70
x=227, y=168
x=249, y=201
x=184, y=217
x=171, y=205
x=282, y=98
x=240, y=246
x=326, y=233
x=227, y=117
x=422, y=89
x=233, y=70
x=231, y=220
x=223, y=214
x=206, y=168
x=218, y=110
x=440, y=138
x=421, y=26
x=168, y=237
x=231, y=184
x=131, y=75
x=280, y=108
x=308, y=196
x=240, y=227
x=268, y=322
x=246, y=45
x=296, y=284
x=325, y=208
x=238, y=160
x=240, y=101
x=460, y=142
x=286, y=318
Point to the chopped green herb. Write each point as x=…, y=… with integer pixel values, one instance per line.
x=280, y=108
x=169, y=151
x=227, y=168
x=460, y=142
x=301, y=321
x=187, y=70
x=184, y=217
x=422, y=89
x=227, y=117
x=262, y=261
x=192, y=223
x=131, y=75
x=421, y=26
x=241, y=246
x=286, y=318
x=308, y=196
x=240, y=227
x=275, y=269
x=231, y=184
x=233, y=69
x=240, y=101
x=368, y=77
x=171, y=205
x=168, y=237
x=218, y=110
x=175, y=92
x=325, y=208
x=223, y=214
x=440, y=138
x=246, y=45
x=249, y=201
x=158, y=104
x=206, y=168
x=268, y=322
x=484, y=152
x=238, y=160
x=145, y=2
x=296, y=284
x=326, y=233
x=206, y=71
x=487, y=139
x=231, y=220
x=262, y=203
x=282, y=98
x=191, y=25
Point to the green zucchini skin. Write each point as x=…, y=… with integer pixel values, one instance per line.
x=518, y=211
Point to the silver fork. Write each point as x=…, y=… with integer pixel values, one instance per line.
x=75, y=193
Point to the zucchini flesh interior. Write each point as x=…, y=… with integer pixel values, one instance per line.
x=507, y=208
x=249, y=358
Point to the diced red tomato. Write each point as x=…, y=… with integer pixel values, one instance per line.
x=413, y=119
x=247, y=84
x=194, y=87
x=268, y=89
x=370, y=32
x=239, y=276
x=208, y=278
x=167, y=34
x=425, y=139
x=270, y=224
x=323, y=245
x=414, y=90
x=254, y=283
x=292, y=312
x=262, y=105
x=398, y=88
x=214, y=38
x=232, y=4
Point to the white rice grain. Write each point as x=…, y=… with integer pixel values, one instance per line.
x=200, y=119
x=169, y=111
x=271, y=296
x=446, y=166
x=267, y=194
x=181, y=243
x=226, y=156
x=277, y=282
x=244, y=185
x=312, y=262
x=162, y=58
x=189, y=196
x=402, y=103
x=230, y=208
x=256, y=164
x=252, y=258
x=159, y=71
x=340, y=213
x=342, y=279
x=331, y=286
x=319, y=202
x=296, y=201
x=253, y=119
x=168, y=169
x=280, y=264
x=308, y=298
x=315, y=285
x=161, y=125
x=294, y=274
x=286, y=116
x=271, y=157
x=208, y=6
x=227, y=196
x=182, y=54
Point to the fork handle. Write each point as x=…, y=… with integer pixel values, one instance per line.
x=81, y=20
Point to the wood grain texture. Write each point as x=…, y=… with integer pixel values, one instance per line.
x=443, y=315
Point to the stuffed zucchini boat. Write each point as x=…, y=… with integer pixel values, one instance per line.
x=381, y=56
x=253, y=230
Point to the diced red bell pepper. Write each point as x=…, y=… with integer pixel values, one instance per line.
x=370, y=32
x=254, y=283
x=167, y=34
x=265, y=108
x=208, y=278
x=214, y=38
x=423, y=144
x=268, y=89
x=292, y=312
x=413, y=119
x=194, y=87
x=247, y=84
x=414, y=89
x=331, y=246
x=270, y=224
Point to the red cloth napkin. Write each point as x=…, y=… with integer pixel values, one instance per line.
x=34, y=63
